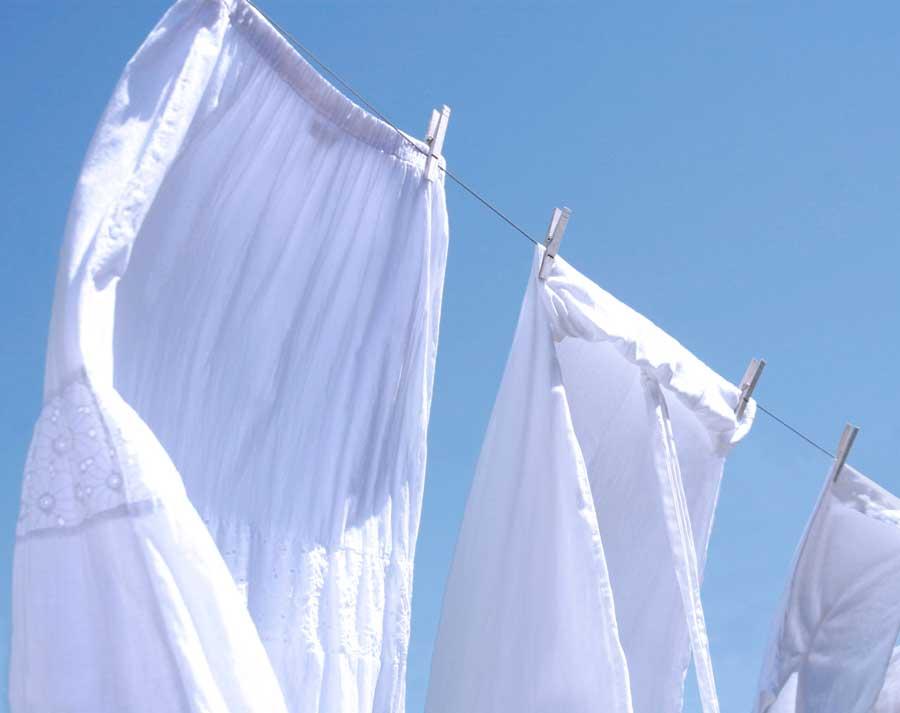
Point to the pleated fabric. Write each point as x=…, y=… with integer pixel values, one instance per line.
x=833, y=650
x=222, y=495
x=575, y=582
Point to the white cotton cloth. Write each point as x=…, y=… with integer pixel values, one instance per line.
x=575, y=583
x=840, y=615
x=244, y=332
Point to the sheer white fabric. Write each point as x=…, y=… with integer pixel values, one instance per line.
x=575, y=583
x=840, y=616
x=244, y=326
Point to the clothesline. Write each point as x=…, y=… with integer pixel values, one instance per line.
x=471, y=191
x=371, y=107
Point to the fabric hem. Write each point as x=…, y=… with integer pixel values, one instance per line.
x=309, y=84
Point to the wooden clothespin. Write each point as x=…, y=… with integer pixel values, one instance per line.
x=437, y=130
x=846, y=443
x=748, y=384
x=554, y=237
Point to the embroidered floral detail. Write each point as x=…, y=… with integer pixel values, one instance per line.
x=74, y=468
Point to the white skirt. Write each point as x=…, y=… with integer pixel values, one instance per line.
x=244, y=331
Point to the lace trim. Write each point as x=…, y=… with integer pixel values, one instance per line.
x=352, y=600
x=79, y=465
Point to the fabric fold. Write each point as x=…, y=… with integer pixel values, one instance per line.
x=579, y=308
x=681, y=540
x=547, y=607
x=833, y=650
x=528, y=622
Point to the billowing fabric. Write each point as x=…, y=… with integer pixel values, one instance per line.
x=575, y=583
x=244, y=332
x=840, y=616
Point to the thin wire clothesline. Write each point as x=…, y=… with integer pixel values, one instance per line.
x=462, y=184
x=794, y=430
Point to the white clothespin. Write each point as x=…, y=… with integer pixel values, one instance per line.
x=554, y=238
x=748, y=384
x=840, y=458
x=437, y=130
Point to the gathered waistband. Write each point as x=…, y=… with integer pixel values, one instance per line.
x=317, y=90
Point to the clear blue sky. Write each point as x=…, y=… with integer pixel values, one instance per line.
x=734, y=171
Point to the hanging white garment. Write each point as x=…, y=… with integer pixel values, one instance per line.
x=247, y=305
x=575, y=583
x=840, y=616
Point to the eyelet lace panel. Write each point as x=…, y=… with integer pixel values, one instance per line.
x=319, y=609
x=78, y=464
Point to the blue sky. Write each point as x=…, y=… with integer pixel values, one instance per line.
x=733, y=171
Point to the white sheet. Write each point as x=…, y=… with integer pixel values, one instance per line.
x=577, y=568
x=247, y=305
x=840, y=615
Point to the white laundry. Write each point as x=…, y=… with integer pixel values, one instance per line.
x=840, y=615
x=575, y=583
x=244, y=332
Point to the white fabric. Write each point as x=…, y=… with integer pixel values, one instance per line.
x=245, y=325
x=889, y=696
x=681, y=539
x=578, y=565
x=840, y=616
